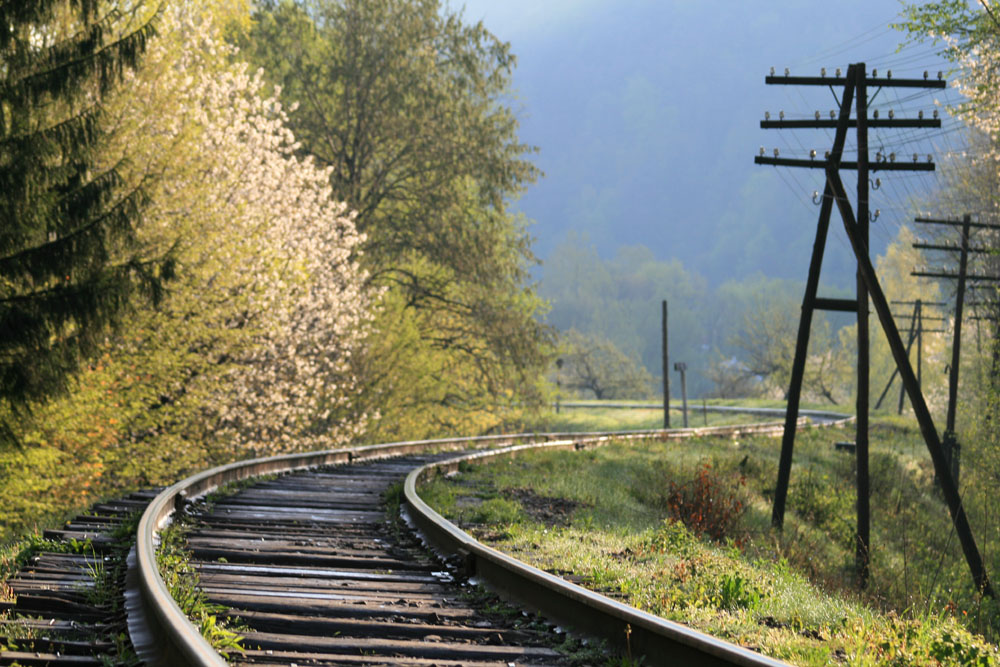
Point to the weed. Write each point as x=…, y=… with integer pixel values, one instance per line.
x=737, y=592
x=181, y=580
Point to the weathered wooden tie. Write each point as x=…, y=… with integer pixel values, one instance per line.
x=314, y=573
x=55, y=618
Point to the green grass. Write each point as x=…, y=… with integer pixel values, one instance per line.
x=630, y=519
x=596, y=417
x=182, y=581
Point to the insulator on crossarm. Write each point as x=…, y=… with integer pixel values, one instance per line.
x=781, y=115
x=935, y=114
x=940, y=75
x=920, y=114
x=929, y=158
x=891, y=114
x=812, y=153
x=817, y=115
x=787, y=72
x=833, y=114
x=762, y=151
x=772, y=73
x=775, y=152
x=914, y=157
x=838, y=72
x=822, y=71
x=767, y=115
x=892, y=157
x=874, y=73
x=888, y=74
x=925, y=75
x=875, y=114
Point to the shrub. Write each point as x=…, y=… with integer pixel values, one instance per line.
x=709, y=505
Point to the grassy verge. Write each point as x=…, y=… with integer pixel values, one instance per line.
x=500, y=613
x=222, y=631
x=181, y=580
x=596, y=417
x=682, y=530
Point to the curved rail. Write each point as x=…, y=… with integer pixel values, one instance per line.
x=163, y=635
x=625, y=627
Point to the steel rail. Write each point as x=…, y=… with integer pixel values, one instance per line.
x=163, y=635
x=627, y=628
x=160, y=632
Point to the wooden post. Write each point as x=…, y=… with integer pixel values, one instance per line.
x=916, y=326
x=951, y=446
x=666, y=370
x=805, y=321
x=895, y=371
x=863, y=534
x=559, y=365
x=681, y=367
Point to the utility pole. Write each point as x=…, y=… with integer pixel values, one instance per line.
x=855, y=94
x=916, y=330
x=666, y=370
x=916, y=326
x=681, y=368
x=950, y=440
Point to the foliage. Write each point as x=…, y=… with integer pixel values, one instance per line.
x=407, y=106
x=181, y=580
x=767, y=339
x=257, y=340
x=594, y=365
x=969, y=36
x=730, y=379
x=619, y=300
x=708, y=504
x=70, y=264
x=249, y=351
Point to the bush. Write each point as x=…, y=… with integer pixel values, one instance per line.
x=710, y=504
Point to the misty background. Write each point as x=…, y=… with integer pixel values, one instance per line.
x=647, y=117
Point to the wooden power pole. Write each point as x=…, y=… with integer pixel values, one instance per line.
x=965, y=225
x=855, y=86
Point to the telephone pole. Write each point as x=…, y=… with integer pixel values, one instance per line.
x=855, y=86
x=917, y=330
x=965, y=225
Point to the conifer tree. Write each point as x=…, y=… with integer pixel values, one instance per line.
x=68, y=262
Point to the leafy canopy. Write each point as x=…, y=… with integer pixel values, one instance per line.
x=409, y=107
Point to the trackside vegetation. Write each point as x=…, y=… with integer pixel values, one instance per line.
x=682, y=530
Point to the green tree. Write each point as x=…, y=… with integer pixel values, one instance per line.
x=409, y=108
x=594, y=365
x=767, y=338
x=620, y=299
x=69, y=263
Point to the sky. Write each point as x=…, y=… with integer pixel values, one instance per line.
x=647, y=116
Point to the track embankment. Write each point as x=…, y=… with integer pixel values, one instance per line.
x=307, y=564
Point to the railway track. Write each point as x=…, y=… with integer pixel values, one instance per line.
x=316, y=575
